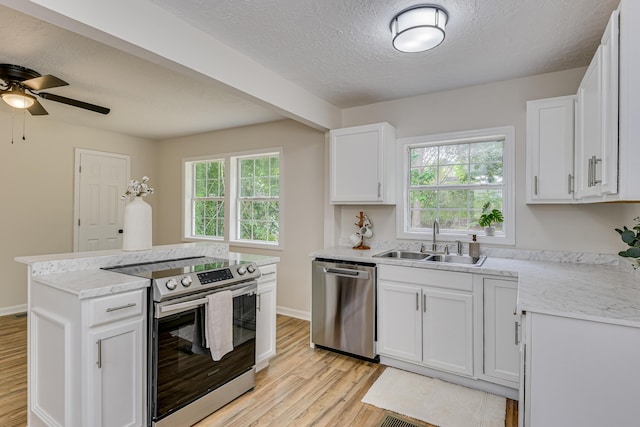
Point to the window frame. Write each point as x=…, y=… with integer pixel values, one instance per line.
x=505, y=133
x=231, y=193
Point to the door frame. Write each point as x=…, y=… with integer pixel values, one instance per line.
x=76, y=185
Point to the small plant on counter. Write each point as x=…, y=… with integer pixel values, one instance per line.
x=631, y=238
x=489, y=217
x=137, y=189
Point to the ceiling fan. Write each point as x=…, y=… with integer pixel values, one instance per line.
x=19, y=87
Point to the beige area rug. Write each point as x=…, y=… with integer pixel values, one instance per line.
x=435, y=401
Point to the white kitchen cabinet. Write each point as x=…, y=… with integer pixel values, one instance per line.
x=596, y=159
x=399, y=319
x=69, y=387
x=579, y=373
x=426, y=316
x=362, y=164
x=116, y=379
x=629, y=102
x=550, y=157
x=501, y=358
x=266, y=316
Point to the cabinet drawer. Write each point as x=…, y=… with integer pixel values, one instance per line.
x=269, y=273
x=427, y=277
x=115, y=307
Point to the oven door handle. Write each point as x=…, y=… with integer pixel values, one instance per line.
x=187, y=305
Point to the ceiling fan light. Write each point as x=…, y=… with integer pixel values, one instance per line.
x=18, y=99
x=419, y=28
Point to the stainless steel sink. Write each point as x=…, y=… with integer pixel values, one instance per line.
x=421, y=256
x=457, y=259
x=402, y=255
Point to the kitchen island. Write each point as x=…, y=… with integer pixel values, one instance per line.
x=87, y=333
x=578, y=326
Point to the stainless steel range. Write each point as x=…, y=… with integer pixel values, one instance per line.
x=185, y=383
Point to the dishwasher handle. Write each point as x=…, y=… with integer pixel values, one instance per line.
x=345, y=272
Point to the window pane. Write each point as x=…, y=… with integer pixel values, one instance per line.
x=246, y=187
x=460, y=167
x=274, y=166
x=201, y=188
x=246, y=168
x=262, y=166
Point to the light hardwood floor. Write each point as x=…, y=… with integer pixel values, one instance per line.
x=301, y=387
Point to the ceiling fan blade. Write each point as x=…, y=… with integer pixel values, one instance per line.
x=44, y=82
x=74, y=103
x=37, y=109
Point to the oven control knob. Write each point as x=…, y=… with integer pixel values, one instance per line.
x=186, y=281
x=251, y=268
x=172, y=284
x=241, y=270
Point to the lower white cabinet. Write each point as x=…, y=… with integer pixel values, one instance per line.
x=115, y=381
x=579, y=373
x=266, y=316
x=426, y=316
x=87, y=364
x=501, y=358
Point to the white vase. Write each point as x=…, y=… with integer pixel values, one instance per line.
x=137, y=225
x=489, y=231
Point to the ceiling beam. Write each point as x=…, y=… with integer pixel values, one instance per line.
x=145, y=30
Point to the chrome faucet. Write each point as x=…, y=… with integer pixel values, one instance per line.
x=436, y=230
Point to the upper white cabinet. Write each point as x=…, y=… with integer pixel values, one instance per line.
x=550, y=139
x=629, y=103
x=362, y=164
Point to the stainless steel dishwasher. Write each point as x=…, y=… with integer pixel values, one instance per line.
x=343, y=307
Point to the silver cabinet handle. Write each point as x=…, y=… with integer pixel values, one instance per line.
x=379, y=190
x=570, y=184
x=535, y=185
x=590, y=173
x=517, y=338
x=99, y=361
x=424, y=303
x=259, y=302
x=417, y=301
x=269, y=273
x=595, y=163
x=121, y=307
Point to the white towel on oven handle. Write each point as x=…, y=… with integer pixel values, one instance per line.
x=219, y=324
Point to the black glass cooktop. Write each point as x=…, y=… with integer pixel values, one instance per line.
x=175, y=267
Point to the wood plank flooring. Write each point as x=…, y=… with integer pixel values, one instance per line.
x=301, y=387
x=13, y=371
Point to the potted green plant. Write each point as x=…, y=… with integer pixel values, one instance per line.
x=490, y=217
x=631, y=238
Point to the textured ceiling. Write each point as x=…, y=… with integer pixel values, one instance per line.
x=340, y=50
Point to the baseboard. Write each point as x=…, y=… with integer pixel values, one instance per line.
x=5, y=311
x=298, y=314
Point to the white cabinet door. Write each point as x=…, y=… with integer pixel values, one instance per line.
x=265, y=324
x=589, y=131
x=501, y=351
x=117, y=380
x=550, y=142
x=399, y=321
x=448, y=330
x=610, y=89
x=580, y=373
x=362, y=164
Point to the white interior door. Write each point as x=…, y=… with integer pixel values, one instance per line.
x=100, y=180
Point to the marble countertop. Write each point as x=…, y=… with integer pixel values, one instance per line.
x=81, y=274
x=598, y=292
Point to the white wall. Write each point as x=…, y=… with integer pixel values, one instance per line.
x=586, y=228
x=303, y=192
x=36, y=190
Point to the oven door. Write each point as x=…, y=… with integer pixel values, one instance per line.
x=181, y=368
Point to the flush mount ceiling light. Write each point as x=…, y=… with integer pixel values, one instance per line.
x=418, y=28
x=17, y=98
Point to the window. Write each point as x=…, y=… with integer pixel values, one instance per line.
x=258, y=201
x=249, y=213
x=207, y=202
x=451, y=178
